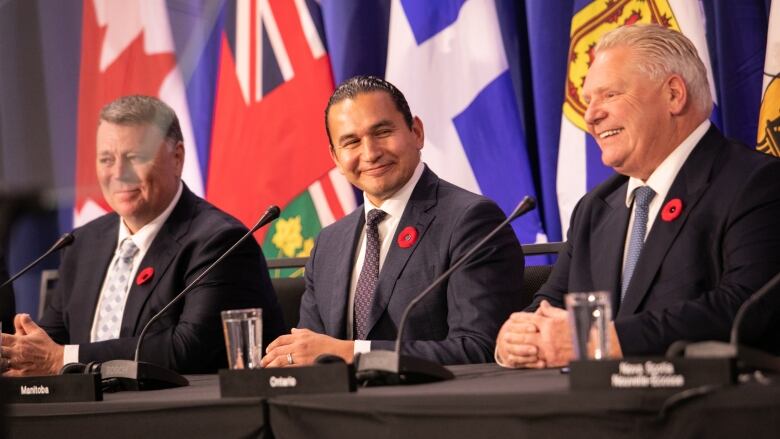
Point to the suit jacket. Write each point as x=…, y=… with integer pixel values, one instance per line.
x=456, y=323
x=188, y=338
x=7, y=305
x=694, y=271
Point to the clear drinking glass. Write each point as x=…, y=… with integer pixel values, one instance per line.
x=243, y=330
x=589, y=317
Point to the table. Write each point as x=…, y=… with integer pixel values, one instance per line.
x=484, y=401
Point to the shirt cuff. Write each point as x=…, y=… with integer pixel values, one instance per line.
x=362, y=346
x=70, y=354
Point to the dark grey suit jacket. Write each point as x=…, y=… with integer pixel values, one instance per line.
x=694, y=271
x=188, y=338
x=456, y=323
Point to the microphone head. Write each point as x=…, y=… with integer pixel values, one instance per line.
x=527, y=204
x=270, y=214
x=64, y=241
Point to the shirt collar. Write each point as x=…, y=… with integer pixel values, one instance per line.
x=145, y=235
x=662, y=178
x=395, y=205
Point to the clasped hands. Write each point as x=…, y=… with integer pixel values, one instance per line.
x=541, y=339
x=29, y=351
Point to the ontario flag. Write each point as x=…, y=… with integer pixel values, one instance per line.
x=126, y=48
x=269, y=144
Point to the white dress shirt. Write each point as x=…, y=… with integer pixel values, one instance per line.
x=394, y=207
x=143, y=239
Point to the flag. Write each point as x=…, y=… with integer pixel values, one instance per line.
x=126, y=48
x=769, y=116
x=448, y=58
x=579, y=158
x=268, y=141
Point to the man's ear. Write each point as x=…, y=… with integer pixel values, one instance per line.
x=419, y=131
x=178, y=155
x=676, y=93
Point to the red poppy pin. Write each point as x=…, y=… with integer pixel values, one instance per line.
x=672, y=210
x=407, y=237
x=144, y=276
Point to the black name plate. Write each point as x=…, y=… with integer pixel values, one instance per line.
x=57, y=388
x=320, y=378
x=651, y=373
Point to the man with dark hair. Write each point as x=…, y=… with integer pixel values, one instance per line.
x=686, y=231
x=124, y=267
x=366, y=268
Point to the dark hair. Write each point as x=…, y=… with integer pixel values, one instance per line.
x=356, y=85
x=138, y=110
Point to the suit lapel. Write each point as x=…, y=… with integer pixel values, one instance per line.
x=689, y=185
x=342, y=273
x=609, y=236
x=164, y=248
x=415, y=214
x=98, y=257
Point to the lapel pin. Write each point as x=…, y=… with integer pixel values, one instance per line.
x=407, y=237
x=144, y=276
x=672, y=210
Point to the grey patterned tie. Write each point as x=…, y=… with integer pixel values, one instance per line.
x=112, y=306
x=369, y=274
x=642, y=197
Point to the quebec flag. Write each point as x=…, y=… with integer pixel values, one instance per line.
x=448, y=59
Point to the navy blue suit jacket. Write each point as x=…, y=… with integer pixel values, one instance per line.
x=456, y=323
x=188, y=338
x=694, y=271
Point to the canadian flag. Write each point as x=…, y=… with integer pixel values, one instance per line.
x=126, y=49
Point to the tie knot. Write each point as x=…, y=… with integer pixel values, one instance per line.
x=374, y=217
x=643, y=195
x=127, y=249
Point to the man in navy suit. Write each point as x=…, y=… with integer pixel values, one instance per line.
x=366, y=268
x=124, y=267
x=684, y=234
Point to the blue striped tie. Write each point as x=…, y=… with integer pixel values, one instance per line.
x=642, y=197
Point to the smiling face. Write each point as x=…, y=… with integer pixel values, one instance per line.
x=372, y=145
x=630, y=114
x=138, y=170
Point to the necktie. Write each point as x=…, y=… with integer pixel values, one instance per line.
x=642, y=197
x=112, y=305
x=369, y=274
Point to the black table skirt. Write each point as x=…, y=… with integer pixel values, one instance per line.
x=484, y=401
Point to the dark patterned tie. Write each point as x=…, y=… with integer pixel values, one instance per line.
x=642, y=197
x=369, y=274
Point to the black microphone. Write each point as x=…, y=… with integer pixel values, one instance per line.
x=746, y=357
x=138, y=375
x=64, y=241
x=390, y=367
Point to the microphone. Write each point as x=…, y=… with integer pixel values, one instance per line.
x=138, y=375
x=390, y=367
x=746, y=357
x=64, y=241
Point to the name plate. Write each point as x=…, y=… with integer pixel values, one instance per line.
x=321, y=378
x=57, y=388
x=651, y=373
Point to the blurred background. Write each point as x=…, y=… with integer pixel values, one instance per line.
x=496, y=83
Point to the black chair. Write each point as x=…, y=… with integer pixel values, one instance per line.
x=535, y=276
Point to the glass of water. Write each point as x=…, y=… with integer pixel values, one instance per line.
x=243, y=330
x=589, y=317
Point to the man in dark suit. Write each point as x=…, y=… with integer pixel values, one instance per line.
x=126, y=266
x=682, y=237
x=366, y=268
x=7, y=304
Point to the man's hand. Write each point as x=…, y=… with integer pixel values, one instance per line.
x=516, y=345
x=305, y=346
x=555, y=340
x=30, y=352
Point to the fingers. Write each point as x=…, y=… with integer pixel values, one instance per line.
x=18, y=326
x=27, y=323
x=282, y=340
